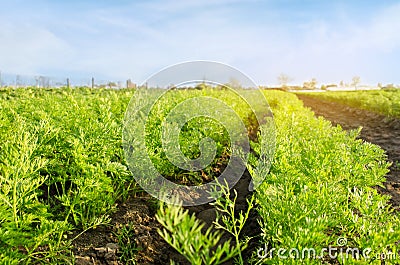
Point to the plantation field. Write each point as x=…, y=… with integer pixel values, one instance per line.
x=63, y=174
x=386, y=102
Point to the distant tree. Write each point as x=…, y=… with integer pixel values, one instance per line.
x=341, y=84
x=310, y=84
x=380, y=85
x=355, y=81
x=284, y=79
x=313, y=83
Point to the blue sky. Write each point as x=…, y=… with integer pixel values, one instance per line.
x=327, y=40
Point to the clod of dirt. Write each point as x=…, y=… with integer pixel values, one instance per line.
x=207, y=216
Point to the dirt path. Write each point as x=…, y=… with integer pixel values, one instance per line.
x=377, y=129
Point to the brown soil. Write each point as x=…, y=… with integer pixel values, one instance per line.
x=100, y=245
x=93, y=247
x=376, y=129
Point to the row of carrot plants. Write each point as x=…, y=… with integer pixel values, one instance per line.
x=385, y=102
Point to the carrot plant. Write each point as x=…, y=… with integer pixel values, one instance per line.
x=228, y=220
x=26, y=224
x=184, y=233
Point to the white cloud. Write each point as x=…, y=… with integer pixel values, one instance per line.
x=338, y=50
x=384, y=31
x=25, y=48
